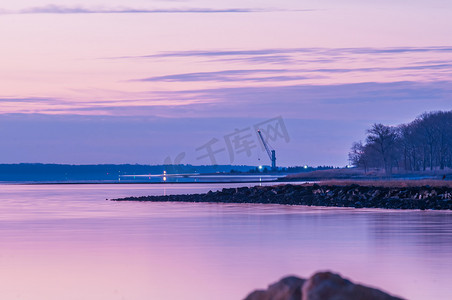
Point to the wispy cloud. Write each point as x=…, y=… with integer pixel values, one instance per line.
x=61, y=9
x=340, y=101
x=105, y=107
x=26, y=100
x=379, y=69
x=228, y=76
x=266, y=75
x=279, y=51
x=217, y=53
x=300, y=56
x=260, y=59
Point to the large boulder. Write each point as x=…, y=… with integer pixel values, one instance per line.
x=288, y=288
x=330, y=286
x=320, y=286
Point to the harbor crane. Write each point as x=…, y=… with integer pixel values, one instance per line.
x=270, y=151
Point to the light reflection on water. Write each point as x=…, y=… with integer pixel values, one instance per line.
x=68, y=242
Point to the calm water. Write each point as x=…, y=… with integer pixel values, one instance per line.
x=68, y=242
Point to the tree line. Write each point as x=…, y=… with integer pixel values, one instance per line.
x=423, y=144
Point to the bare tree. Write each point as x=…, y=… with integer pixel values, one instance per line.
x=356, y=156
x=424, y=143
x=383, y=138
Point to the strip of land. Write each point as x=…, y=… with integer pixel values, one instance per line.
x=358, y=174
x=434, y=195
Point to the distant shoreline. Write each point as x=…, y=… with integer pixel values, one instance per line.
x=135, y=182
x=353, y=195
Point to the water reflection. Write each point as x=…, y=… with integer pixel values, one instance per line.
x=67, y=242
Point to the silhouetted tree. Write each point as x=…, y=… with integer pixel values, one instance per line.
x=424, y=143
x=383, y=138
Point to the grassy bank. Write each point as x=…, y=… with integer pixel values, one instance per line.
x=395, y=183
x=374, y=174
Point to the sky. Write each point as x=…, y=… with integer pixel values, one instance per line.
x=152, y=82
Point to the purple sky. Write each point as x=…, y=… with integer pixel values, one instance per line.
x=143, y=81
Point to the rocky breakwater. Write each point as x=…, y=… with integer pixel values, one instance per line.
x=423, y=197
x=320, y=286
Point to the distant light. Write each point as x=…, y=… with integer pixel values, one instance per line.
x=260, y=167
x=305, y=167
x=164, y=178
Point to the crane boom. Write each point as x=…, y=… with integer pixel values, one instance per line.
x=271, y=153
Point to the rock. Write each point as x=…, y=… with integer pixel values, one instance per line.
x=321, y=286
x=288, y=288
x=258, y=295
x=330, y=286
x=341, y=196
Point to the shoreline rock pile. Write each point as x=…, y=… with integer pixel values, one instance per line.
x=320, y=286
x=423, y=197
